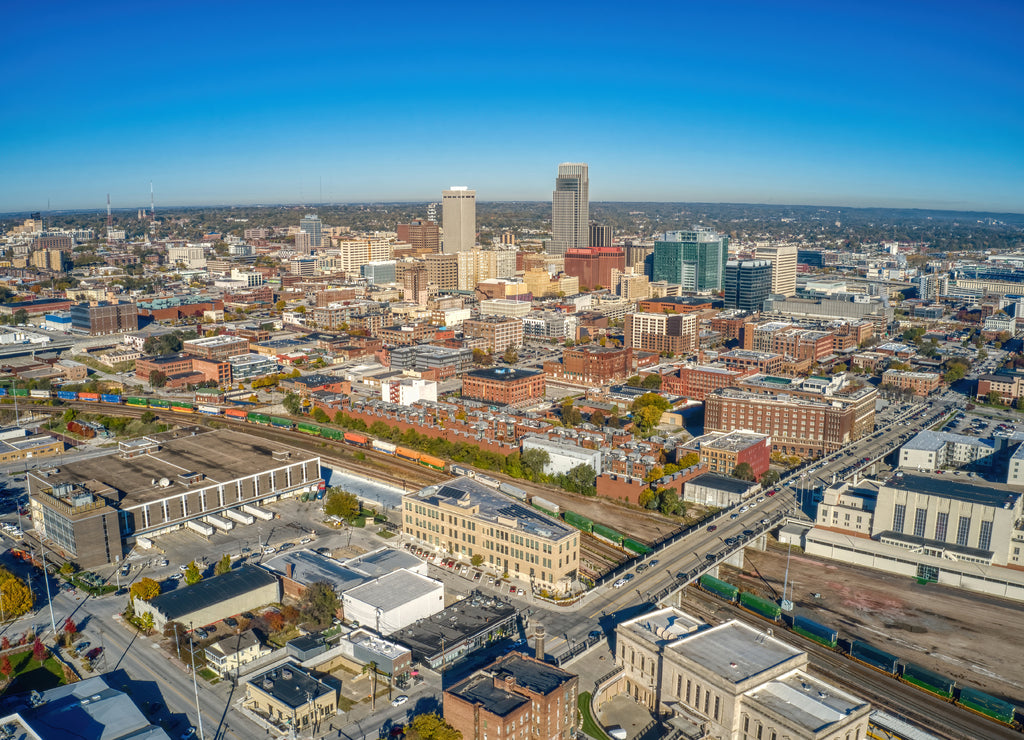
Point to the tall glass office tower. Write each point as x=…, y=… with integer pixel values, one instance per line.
x=311, y=225
x=694, y=259
x=570, y=208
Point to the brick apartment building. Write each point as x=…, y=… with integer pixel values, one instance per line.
x=920, y=384
x=661, y=332
x=182, y=370
x=677, y=304
x=504, y=385
x=697, y=381
x=800, y=421
x=498, y=332
x=105, y=317
x=1009, y=386
x=594, y=365
x=593, y=265
x=752, y=361
x=515, y=697
x=406, y=335
x=220, y=347
x=721, y=453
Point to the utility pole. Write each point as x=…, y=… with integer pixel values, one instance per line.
x=46, y=580
x=195, y=684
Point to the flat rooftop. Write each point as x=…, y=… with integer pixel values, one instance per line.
x=383, y=560
x=306, y=567
x=736, y=652
x=735, y=441
x=505, y=374
x=722, y=483
x=291, y=685
x=946, y=486
x=663, y=626
x=220, y=456
x=807, y=701
x=90, y=709
x=480, y=689
x=466, y=493
x=461, y=621
x=537, y=676
x=394, y=589
x=928, y=440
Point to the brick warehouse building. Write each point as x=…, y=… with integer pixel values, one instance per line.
x=105, y=317
x=697, y=381
x=515, y=691
x=498, y=332
x=593, y=266
x=504, y=385
x=721, y=453
x=592, y=364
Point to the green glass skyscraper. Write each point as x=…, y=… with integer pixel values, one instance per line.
x=693, y=259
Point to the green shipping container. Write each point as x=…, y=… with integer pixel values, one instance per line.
x=720, y=588
x=608, y=533
x=986, y=704
x=331, y=433
x=579, y=521
x=308, y=428
x=928, y=680
x=159, y=403
x=258, y=417
x=136, y=401
x=760, y=606
x=634, y=546
x=19, y=391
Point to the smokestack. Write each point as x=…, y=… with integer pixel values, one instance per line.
x=538, y=641
x=290, y=569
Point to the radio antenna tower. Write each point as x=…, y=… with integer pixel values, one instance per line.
x=110, y=221
x=152, y=203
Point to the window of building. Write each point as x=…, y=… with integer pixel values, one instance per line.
x=941, y=524
x=963, y=529
x=898, y=515
x=985, y=537
x=920, y=518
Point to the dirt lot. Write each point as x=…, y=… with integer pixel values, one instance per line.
x=640, y=525
x=970, y=637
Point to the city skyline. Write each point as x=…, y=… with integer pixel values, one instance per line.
x=889, y=106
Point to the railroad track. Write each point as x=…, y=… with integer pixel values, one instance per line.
x=931, y=712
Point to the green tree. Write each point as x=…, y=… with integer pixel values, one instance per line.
x=689, y=460
x=148, y=417
x=477, y=560
x=597, y=418
x=534, y=461
x=571, y=415
x=144, y=589
x=157, y=379
x=320, y=603
x=292, y=404
x=634, y=381
x=69, y=415
x=648, y=499
x=743, y=471
x=341, y=504
x=193, y=574
x=20, y=316
x=669, y=503
x=320, y=415
x=652, y=382
x=146, y=622
x=994, y=398
x=769, y=478
x=580, y=479
x=430, y=727
x=511, y=356
x=223, y=565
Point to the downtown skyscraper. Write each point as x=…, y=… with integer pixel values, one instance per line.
x=570, y=208
x=459, y=214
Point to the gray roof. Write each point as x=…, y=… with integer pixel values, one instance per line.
x=735, y=651
x=945, y=486
x=382, y=561
x=394, y=589
x=476, y=614
x=309, y=567
x=211, y=591
x=466, y=492
x=928, y=440
x=290, y=684
x=90, y=709
x=807, y=701
x=480, y=689
x=721, y=483
x=540, y=678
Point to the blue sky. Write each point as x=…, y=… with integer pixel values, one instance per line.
x=915, y=104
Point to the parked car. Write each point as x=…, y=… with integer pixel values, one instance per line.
x=619, y=583
x=231, y=622
x=399, y=700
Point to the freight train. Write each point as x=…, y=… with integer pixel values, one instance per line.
x=909, y=673
x=355, y=439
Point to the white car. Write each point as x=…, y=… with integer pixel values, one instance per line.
x=619, y=583
x=399, y=700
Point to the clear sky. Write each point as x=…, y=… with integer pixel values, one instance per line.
x=895, y=103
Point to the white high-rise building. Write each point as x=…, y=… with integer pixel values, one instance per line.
x=783, y=259
x=459, y=213
x=570, y=208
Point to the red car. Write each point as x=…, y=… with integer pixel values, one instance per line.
x=712, y=528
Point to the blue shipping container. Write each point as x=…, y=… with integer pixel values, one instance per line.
x=67, y=395
x=3, y=391
x=110, y=398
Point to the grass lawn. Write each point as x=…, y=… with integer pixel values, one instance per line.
x=29, y=675
x=209, y=675
x=386, y=534
x=589, y=725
